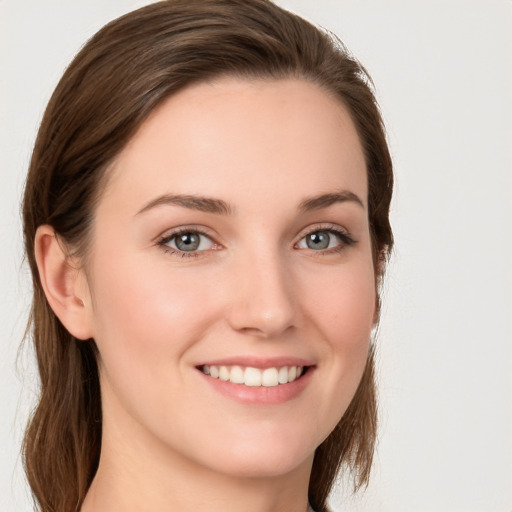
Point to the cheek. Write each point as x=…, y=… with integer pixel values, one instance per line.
x=147, y=313
x=344, y=306
x=343, y=315
x=147, y=317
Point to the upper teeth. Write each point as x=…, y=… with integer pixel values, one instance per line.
x=254, y=376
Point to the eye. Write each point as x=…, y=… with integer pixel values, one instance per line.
x=325, y=240
x=187, y=242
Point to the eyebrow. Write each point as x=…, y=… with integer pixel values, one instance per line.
x=203, y=204
x=326, y=200
x=220, y=207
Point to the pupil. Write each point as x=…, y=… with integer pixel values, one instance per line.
x=319, y=240
x=187, y=242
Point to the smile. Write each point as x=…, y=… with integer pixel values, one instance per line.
x=254, y=377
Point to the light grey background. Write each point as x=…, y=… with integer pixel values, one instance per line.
x=443, y=71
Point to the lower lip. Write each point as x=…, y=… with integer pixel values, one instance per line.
x=260, y=395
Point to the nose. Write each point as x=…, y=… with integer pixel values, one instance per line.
x=262, y=302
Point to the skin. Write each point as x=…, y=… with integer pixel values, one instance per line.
x=171, y=441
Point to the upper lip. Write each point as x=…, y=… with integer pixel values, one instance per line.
x=258, y=362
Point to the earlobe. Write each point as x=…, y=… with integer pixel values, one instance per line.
x=64, y=284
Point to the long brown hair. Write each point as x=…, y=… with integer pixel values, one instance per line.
x=121, y=75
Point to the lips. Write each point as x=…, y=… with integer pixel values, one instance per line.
x=258, y=381
x=254, y=377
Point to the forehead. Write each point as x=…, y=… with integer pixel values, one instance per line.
x=243, y=140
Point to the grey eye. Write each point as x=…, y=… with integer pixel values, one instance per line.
x=318, y=240
x=187, y=241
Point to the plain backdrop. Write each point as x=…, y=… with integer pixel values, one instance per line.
x=443, y=73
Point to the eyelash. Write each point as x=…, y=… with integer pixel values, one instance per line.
x=346, y=240
x=164, y=240
x=345, y=237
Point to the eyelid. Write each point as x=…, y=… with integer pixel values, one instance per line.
x=163, y=239
x=346, y=238
x=192, y=228
x=323, y=226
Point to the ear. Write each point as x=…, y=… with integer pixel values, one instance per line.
x=64, y=284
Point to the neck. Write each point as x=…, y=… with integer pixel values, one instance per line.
x=143, y=475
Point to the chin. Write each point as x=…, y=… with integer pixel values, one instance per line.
x=269, y=466
x=264, y=457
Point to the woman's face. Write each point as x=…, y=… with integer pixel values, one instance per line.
x=232, y=242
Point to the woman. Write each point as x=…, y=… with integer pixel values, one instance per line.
x=206, y=221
